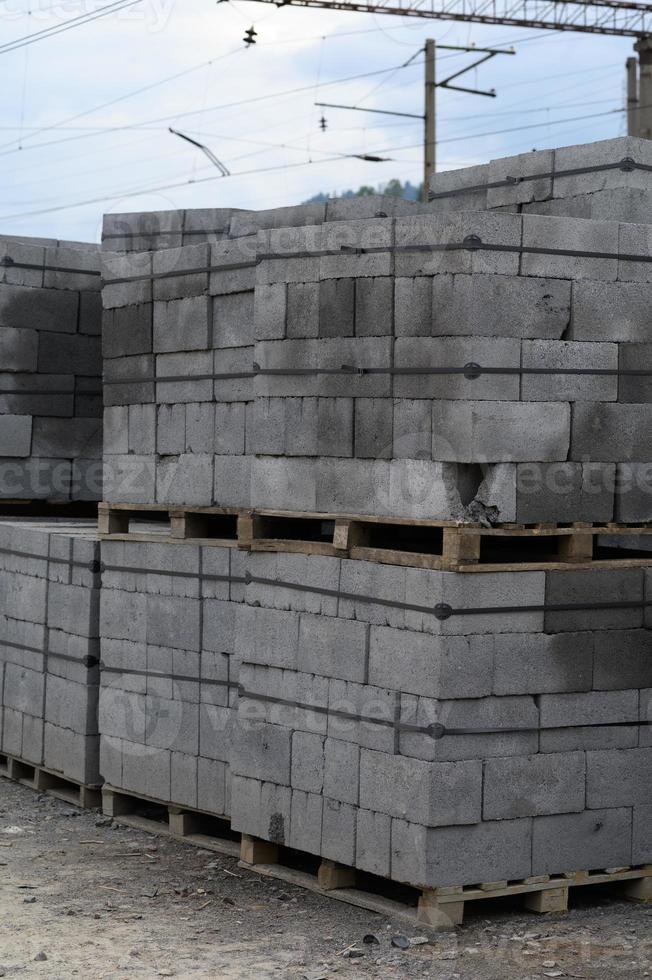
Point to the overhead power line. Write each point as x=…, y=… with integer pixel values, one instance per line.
x=67, y=25
x=292, y=166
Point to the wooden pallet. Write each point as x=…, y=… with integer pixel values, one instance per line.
x=436, y=908
x=440, y=909
x=47, y=781
x=433, y=544
x=182, y=823
x=217, y=526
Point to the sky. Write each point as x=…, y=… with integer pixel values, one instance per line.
x=85, y=113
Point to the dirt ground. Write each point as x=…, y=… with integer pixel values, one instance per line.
x=81, y=896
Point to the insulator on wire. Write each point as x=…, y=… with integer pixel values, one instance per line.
x=250, y=36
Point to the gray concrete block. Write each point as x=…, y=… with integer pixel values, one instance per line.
x=374, y=306
x=291, y=484
x=306, y=822
x=373, y=428
x=130, y=479
x=622, y=660
x=359, y=248
x=183, y=779
x=363, y=352
x=642, y=835
x=453, y=229
x=412, y=428
x=261, y=751
x=565, y=492
x=233, y=481
x=307, y=773
x=133, y=273
x=500, y=306
x=506, y=726
x=373, y=842
x=63, y=438
x=212, y=786
x=341, y=771
x=123, y=615
x=236, y=361
x=533, y=786
x=542, y=232
x=472, y=431
x=196, y=370
x=521, y=191
x=122, y=380
x=312, y=571
x=597, y=585
x=336, y=308
x=609, y=311
x=611, y=432
x=173, y=622
x=185, y=479
x=591, y=156
x=190, y=262
x=352, y=486
x=435, y=667
x=233, y=264
x=18, y=349
x=142, y=429
x=302, y=309
x=127, y=330
x=338, y=832
x=366, y=206
x=362, y=714
x=233, y=320
x=562, y=354
x=16, y=436
x=619, y=778
x=38, y=309
x=182, y=324
x=201, y=427
x=413, y=306
x=270, y=311
x=453, y=352
x=333, y=647
x=588, y=738
x=267, y=636
x=537, y=663
x=170, y=429
x=633, y=498
x=216, y=726
x=490, y=851
x=116, y=430
x=430, y=794
x=69, y=354
x=581, y=841
x=591, y=708
x=471, y=181
x=142, y=230
x=635, y=357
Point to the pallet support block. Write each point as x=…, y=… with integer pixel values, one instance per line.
x=460, y=547
x=182, y=823
x=332, y=875
x=641, y=889
x=438, y=915
x=112, y=521
x=116, y=805
x=253, y=850
x=548, y=900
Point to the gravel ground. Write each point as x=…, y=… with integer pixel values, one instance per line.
x=81, y=896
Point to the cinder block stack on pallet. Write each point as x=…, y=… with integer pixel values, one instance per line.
x=184, y=310
x=439, y=747
x=49, y=653
x=439, y=728
x=51, y=369
x=169, y=674
x=608, y=180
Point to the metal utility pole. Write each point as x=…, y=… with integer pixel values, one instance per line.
x=431, y=85
x=632, y=97
x=430, y=126
x=644, y=113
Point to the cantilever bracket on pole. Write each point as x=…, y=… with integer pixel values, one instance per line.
x=205, y=150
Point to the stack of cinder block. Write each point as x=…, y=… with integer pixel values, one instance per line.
x=169, y=674
x=179, y=331
x=436, y=751
x=51, y=369
x=49, y=646
x=433, y=727
x=608, y=180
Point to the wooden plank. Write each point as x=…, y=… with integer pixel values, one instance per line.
x=389, y=556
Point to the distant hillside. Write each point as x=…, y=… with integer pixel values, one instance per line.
x=394, y=188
